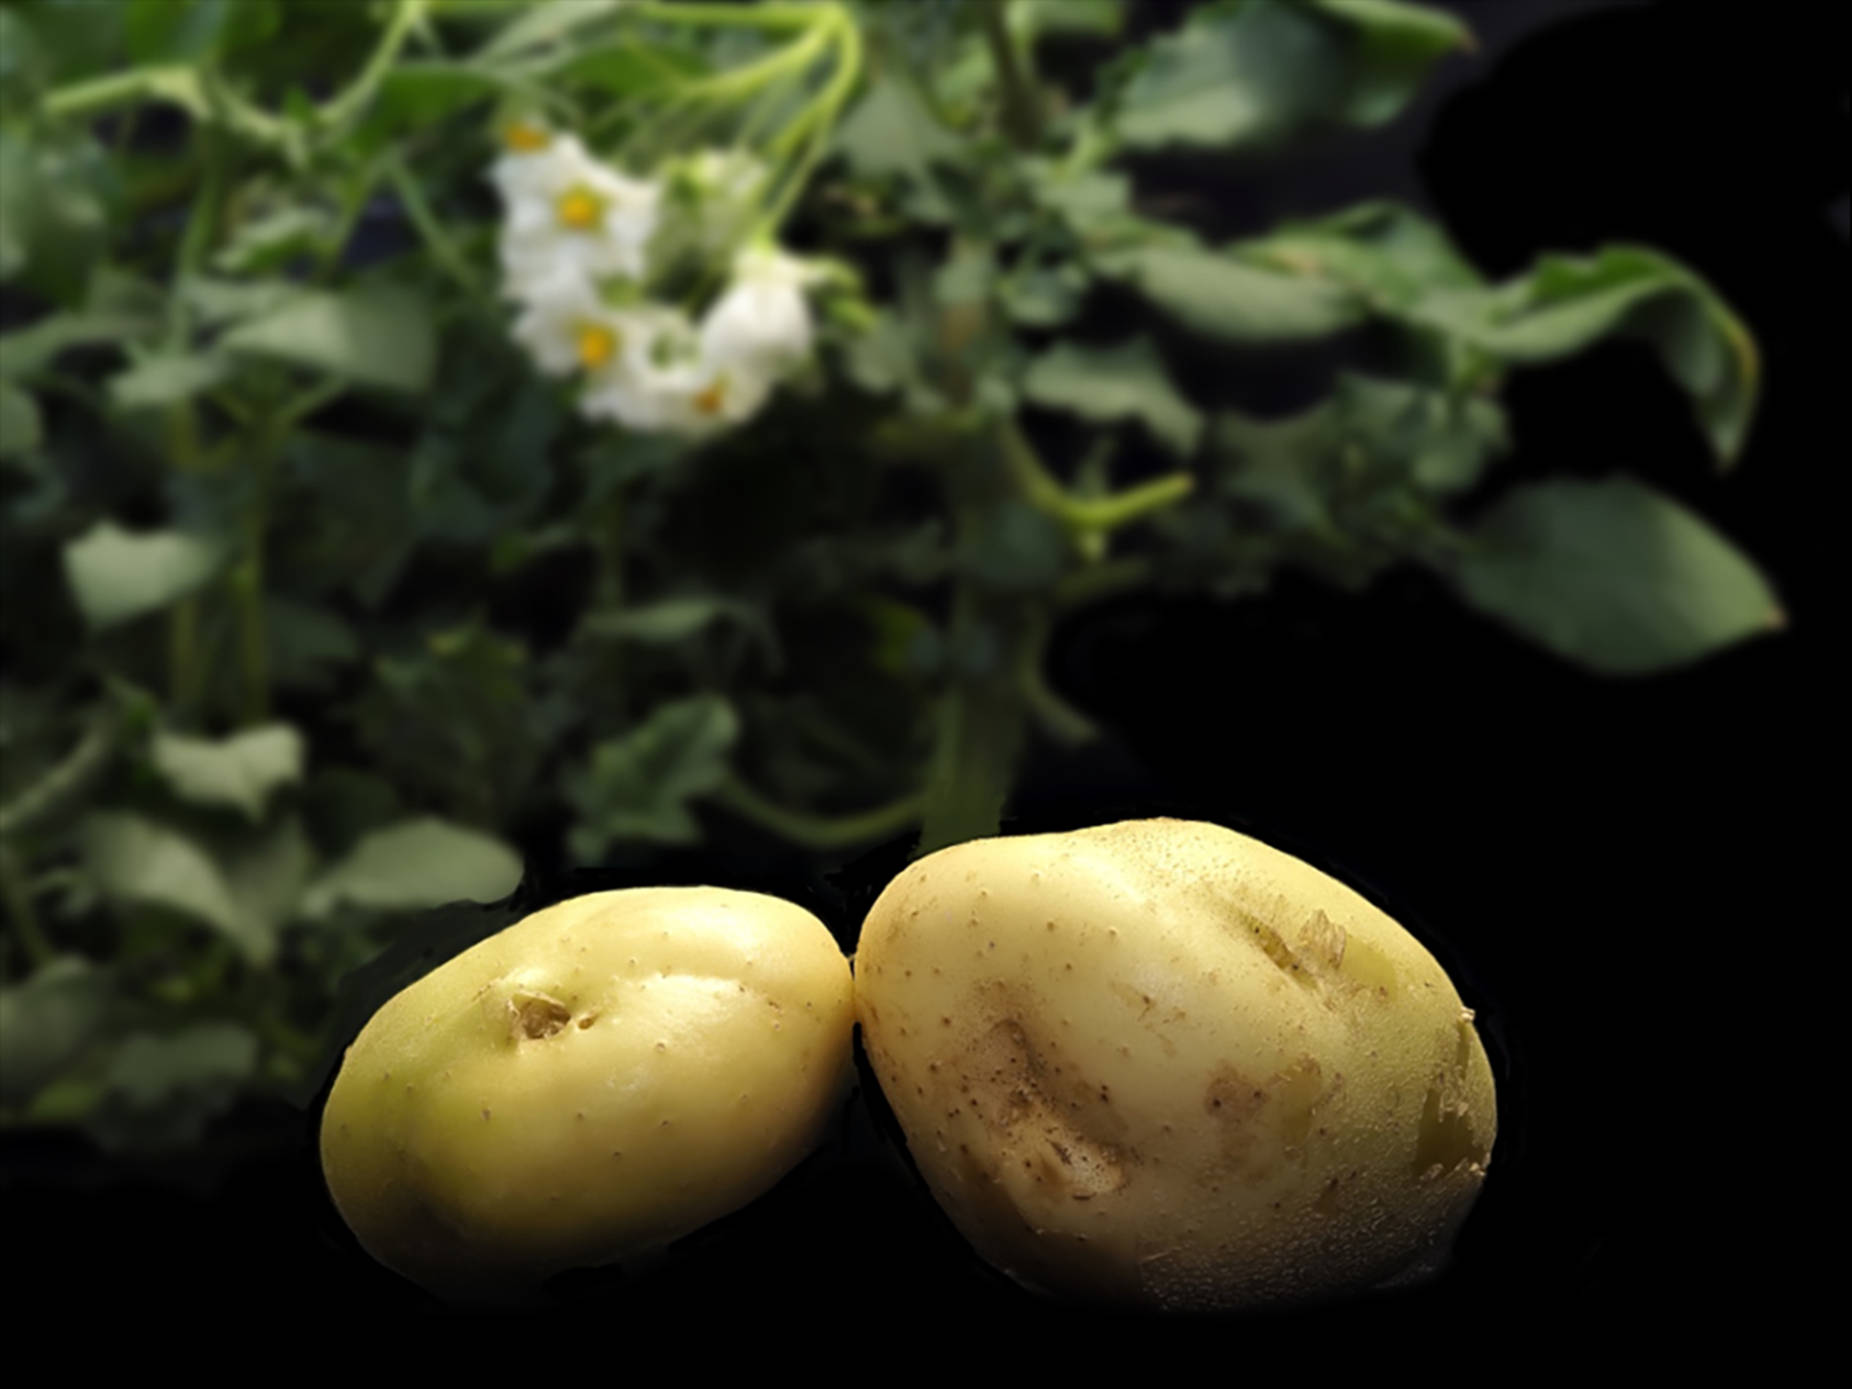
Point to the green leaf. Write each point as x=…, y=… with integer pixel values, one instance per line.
x=306, y=643
x=161, y=1091
x=1567, y=303
x=56, y=192
x=23, y=68
x=173, y=31
x=1279, y=466
x=890, y=133
x=242, y=770
x=351, y=524
x=1253, y=72
x=1028, y=20
x=1385, y=253
x=115, y=575
x=135, y=860
x=1440, y=441
x=272, y=240
x=626, y=69
x=1015, y=547
x=416, y=864
x=1614, y=576
x=477, y=757
x=1393, y=47
x=672, y=620
x=638, y=784
x=20, y=429
x=267, y=878
x=1043, y=296
x=45, y=1021
x=542, y=26
x=1225, y=298
x=1088, y=199
x=216, y=302
x=26, y=350
x=166, y=379
x=1124, y=382
x=378, y=336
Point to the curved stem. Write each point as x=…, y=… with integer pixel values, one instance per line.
x=17, y=893
x=95, y=95
x=818, y=121
x=405, y=17
x=1102, y=580
x=1060, y=719
x=66, y=781
x=769, y=16
x=436, y=240
x=818, y=831
x=1084, y=514
x=1022, y=116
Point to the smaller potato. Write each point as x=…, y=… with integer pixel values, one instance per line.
x=596, y=1081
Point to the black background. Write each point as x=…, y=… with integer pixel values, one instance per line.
x=1611, y=871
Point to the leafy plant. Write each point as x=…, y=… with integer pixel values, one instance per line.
x=278, y=475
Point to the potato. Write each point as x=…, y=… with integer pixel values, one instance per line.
x=595, y=1081
x=1159, y=1063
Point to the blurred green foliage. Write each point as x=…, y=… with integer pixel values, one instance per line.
x=269, y=464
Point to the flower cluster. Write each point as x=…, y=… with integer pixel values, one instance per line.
x=581, y=243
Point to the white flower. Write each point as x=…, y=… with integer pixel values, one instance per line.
x=524, y=145
x=569, y=214
x=664, y=382
x=567, y=329
x=761, y=325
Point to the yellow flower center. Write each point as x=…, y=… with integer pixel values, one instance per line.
x=524, y=138
x=595, y=343
x=713, y=399
x=579, y=209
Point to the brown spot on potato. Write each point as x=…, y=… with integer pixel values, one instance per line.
x=1445, y=1139
x=1272, y=944
x=1322, y=941
x=535, y=1015
x=1020, y=1105
x=1255, y=1117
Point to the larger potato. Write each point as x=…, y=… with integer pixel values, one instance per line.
x=1160, y=1063
x=593, y=1082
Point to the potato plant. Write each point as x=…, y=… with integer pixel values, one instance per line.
x=354, y=556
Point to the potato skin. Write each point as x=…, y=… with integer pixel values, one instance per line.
x=1160, y=1063
x=597, y=1080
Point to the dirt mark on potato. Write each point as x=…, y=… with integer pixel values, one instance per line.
x=1147, y=1013
x=1044, y=1119
x=1259, y=1121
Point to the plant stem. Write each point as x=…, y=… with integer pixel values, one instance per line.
x=184, y=673
x=352, y=206
x=1077, y=514
x=95, y=95
x=248, y=582
x=17, y=893
x=974, y=757
x=66, y=781
x=1101, y=580
x=818, y=120
x=443, y=250
x=813, y=831
x=1059, y=719
x=1022, y=115
x=730, y=16
x=348, y=103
